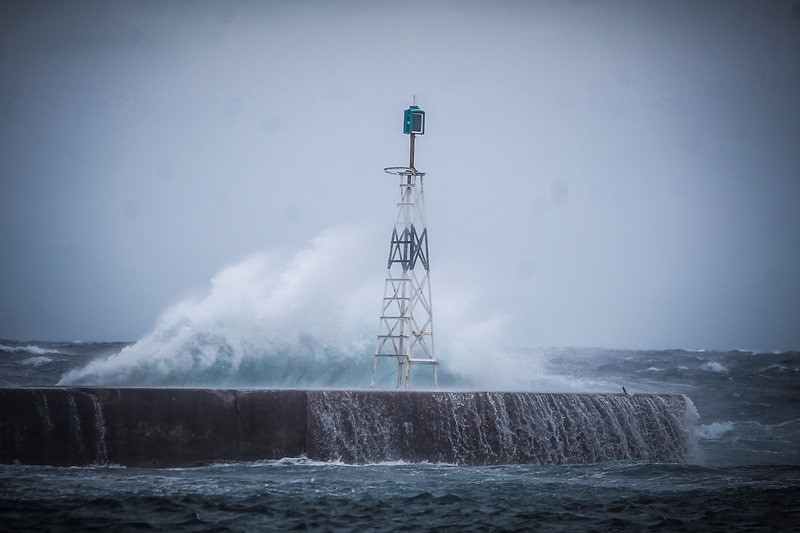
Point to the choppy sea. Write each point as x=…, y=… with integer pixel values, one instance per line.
x=743, y=476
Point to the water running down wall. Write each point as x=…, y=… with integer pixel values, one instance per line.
x=496, y=427
x=183, y=427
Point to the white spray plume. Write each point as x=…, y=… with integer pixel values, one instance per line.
x=309, y=322
x=261, y=323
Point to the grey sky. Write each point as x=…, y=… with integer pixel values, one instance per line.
x=618, y=174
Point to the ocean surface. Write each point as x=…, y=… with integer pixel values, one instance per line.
x=743, y=473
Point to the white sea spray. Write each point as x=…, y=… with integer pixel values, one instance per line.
x=714, y=366
x=714, y=431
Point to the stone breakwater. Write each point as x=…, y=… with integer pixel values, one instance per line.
x=141, y=427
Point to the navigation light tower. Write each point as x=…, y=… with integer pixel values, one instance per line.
x=405, y=331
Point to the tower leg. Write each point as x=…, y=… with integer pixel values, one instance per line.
x=399, y=371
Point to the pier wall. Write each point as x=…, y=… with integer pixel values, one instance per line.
x=140, y=427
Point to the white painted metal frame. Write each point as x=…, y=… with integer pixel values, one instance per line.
x=405, y=330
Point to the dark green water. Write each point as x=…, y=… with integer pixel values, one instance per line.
x=293, y=495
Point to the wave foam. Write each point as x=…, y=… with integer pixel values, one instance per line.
x=713, y=366
x=310, y=322
x=36, y=361
x=261, y=323
x=31, y=349
x=713, y=431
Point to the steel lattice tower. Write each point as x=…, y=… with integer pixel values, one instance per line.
x=405, y=331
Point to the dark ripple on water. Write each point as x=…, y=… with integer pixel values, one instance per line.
x=326, y=497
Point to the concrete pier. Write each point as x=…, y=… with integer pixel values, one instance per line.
x=184, y=427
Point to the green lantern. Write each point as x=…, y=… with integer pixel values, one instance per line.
x=414, y=120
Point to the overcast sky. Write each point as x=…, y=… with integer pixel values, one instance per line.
x=615, y=174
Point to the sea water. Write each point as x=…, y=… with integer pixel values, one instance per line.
x=743, y=475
